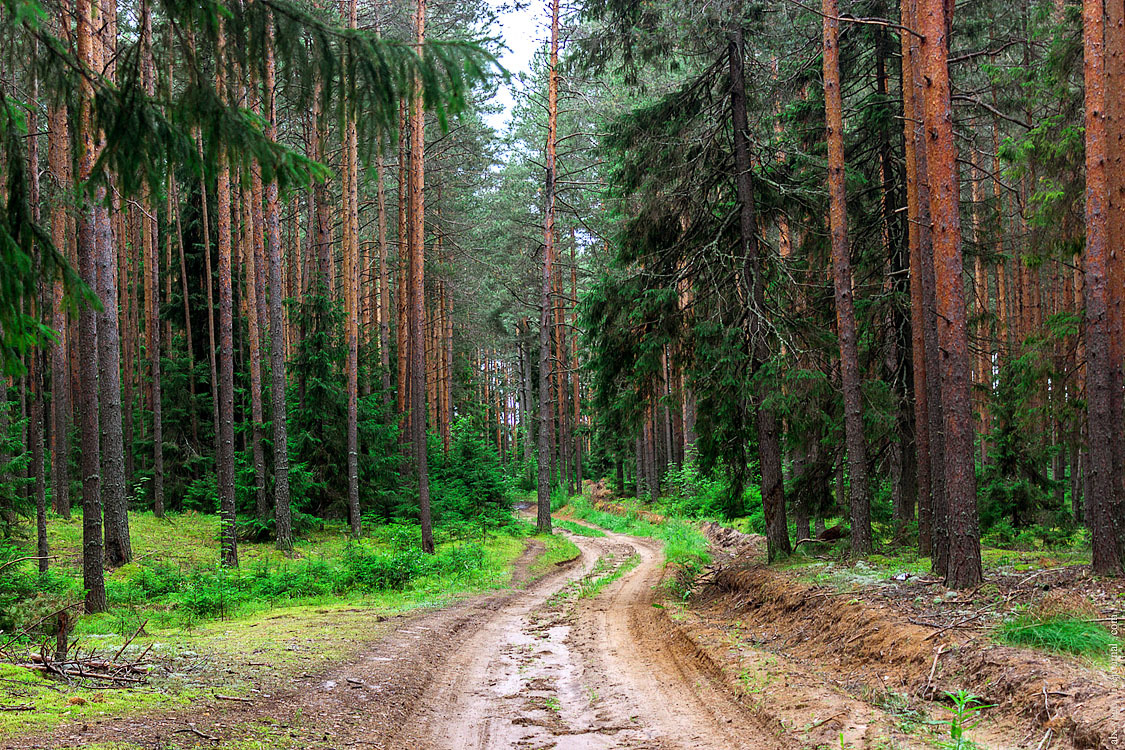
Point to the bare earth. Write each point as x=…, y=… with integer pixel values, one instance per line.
x=534, y=667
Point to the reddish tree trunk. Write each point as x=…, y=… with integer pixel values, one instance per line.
x=964, y=565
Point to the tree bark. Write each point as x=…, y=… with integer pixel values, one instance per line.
x=859, y=501
x=964, y=564
x=58, y=158
x=93, y=576
x=769, y=441
x=1100, y=494
x=417, y=294
x=228, y=533
x=283, y=524
x=543, y=509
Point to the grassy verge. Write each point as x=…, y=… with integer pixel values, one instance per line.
x=685, y=547
x=577, y=528
x=231, y=631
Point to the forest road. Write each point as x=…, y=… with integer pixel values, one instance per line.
x=568, y=666
x=582, y=658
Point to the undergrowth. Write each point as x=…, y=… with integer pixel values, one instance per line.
x=1059, y=633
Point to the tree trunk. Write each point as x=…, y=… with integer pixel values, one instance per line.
x=769, y=438
x=543, y=520
x=860, y=501
x=351, y=298
x=248, y=239
x=927, y=388
x=964, y=565
x=152, y=287
x=93, y=576
x=58, y=158
x=417, y=294
x=36, y=359
x=1100, y=495
x=228, y=533
x=283, y=523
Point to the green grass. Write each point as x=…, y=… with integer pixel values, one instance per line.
x=1060, y=634
x=685, y=547
x=227, y=630
x=558, y=550
x=53, y=706
x=577, y=528
x=592, y=585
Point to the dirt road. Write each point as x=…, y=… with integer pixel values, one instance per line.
x=580, y=658
x=565, y=666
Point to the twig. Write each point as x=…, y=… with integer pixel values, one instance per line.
x=32, y=557
x=20, y=707
x=825, y=721
x=233, y=698
x=197, y=733
x=959, y=623
x=933, y=668
x=1046, y=739
x=126, y=644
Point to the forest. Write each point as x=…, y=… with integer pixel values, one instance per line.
x=793, y=328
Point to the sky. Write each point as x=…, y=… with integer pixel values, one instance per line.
x=522, y=27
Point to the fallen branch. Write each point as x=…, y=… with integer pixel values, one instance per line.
x=197, y=733
x=126, y=644
x=933, y=670
x=233, y=698
x=31, y=557
x=825, y=721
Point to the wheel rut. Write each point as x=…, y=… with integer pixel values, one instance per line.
x=584, y=663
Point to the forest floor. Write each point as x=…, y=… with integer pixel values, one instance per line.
x=603, y=651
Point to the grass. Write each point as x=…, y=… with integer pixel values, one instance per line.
x=231, y=630
x=685, y=547
x=558, y=550
x=592, y=585
x=577, y=528
x=1060, y=634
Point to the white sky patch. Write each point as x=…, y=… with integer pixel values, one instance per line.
x=523, y=25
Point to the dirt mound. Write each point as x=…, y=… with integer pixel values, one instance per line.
x=872, y=645
x=750, y=547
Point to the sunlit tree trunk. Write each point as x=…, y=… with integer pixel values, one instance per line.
x=417, y=293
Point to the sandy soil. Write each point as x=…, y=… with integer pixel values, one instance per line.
x=539, y=666
x=554, y=670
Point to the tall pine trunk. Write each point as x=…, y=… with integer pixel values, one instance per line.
x=1101, y=513
x=228, y=532
x=93, y=575
x=282, y=513
x=859, y=500
x=417, y=294
x=543, y=483
x=769, y=433
x=964, y=564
